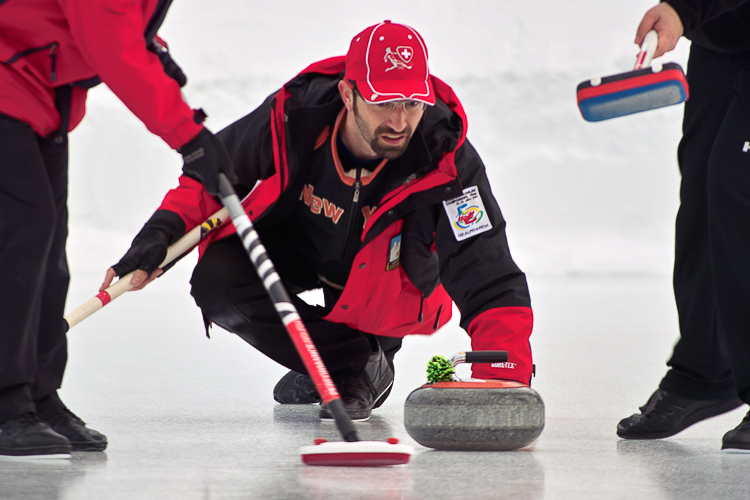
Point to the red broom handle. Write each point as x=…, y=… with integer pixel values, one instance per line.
x=286, y=310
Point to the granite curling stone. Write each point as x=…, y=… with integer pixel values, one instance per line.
x=474, y=415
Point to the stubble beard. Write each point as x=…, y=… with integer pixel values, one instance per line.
x=380, y=149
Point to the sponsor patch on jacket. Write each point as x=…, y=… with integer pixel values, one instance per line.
x=394, y=253
x=467, y=215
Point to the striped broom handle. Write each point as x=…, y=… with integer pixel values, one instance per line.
x=286, y=310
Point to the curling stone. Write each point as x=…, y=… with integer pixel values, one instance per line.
x=473, y=415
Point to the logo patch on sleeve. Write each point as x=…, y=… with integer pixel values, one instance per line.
x=467, y=215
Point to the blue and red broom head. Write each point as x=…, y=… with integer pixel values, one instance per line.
x=632, y=92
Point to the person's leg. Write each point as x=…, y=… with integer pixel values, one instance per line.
x=390, y=346
x=699, y=365
x=699, y=382
x=729, y=238
x=27, y=227
x=382, y=371
x=52, y=344
x=227, y=289
x=729, y=220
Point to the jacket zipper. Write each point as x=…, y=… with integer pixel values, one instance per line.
x=53, y=56
x=348, y=234
x=421, y=304
x=357, y=185
x=437, y=318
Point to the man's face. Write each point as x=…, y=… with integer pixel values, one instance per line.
x=387, y=127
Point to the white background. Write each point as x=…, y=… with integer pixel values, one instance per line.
x=578, y=197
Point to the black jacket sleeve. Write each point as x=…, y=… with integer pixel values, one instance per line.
x=694, y=13
x=250, y=144
x=478, y=272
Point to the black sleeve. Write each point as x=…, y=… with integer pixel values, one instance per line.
x=694, y=13
x=250, y=144
x=478, y=272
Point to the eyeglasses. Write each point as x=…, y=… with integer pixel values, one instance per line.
x=385, y=108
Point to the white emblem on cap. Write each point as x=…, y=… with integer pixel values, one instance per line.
x=405, y=53
x=399, y=59
x=396, y=62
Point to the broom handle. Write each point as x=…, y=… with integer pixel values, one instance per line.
x=648, y=47
x=286, y=310
x=180, y=247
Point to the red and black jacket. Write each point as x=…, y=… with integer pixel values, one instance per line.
x=275, y=143
x=55, y=43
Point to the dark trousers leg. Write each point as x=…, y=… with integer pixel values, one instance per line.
x=729, y=224
x=33, y=269
x=228, y=291
x=699, y=365
x=52, y=348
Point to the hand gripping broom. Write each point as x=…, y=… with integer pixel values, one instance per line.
x=352, y=451
x=175, y=252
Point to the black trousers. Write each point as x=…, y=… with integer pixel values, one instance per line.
x=226, y=287
x=711, y=360
x=33, y=266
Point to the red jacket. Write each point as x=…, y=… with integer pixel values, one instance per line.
x=478, y=272
x=49, y=43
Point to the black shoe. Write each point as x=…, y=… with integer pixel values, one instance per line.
x=356, y=394
x=295, y=389
x=65, y=422
x=29, y=436
x=364, y=392
x=667, y=414
x=738, y=439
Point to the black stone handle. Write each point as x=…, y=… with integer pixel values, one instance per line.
x=486, y=356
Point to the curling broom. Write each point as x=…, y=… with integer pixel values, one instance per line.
x=352, y=451
x=644, y=88
x=175, y=251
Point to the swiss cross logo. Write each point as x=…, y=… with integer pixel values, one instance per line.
x=399, y=59
x=405, y=53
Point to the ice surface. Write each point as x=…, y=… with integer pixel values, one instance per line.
x=191, y=418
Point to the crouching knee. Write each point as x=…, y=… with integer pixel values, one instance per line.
x=209, y=285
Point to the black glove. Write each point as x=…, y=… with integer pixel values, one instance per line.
x=205, y=156
x=170, y=67
x=149, y=248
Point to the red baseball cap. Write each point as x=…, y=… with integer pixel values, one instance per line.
x=388, y=62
